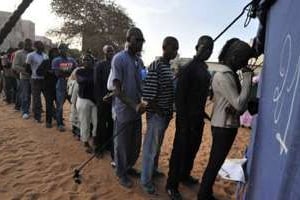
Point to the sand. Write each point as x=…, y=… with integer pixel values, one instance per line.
x=38, y=163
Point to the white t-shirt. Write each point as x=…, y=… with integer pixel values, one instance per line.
x=35, y=60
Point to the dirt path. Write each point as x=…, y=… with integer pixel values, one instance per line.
x=37, y=163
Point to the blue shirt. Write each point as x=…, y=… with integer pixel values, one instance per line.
x=64, y=65
x=127, y=69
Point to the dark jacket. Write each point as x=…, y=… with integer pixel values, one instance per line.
x=192, y=90
x=101, y=73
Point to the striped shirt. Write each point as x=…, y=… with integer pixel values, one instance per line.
x=158, y=90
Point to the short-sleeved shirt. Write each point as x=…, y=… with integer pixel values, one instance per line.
x=35, y=59
x=64, y=64
x=127, y=69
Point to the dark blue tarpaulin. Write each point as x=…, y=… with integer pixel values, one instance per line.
x=274, y=167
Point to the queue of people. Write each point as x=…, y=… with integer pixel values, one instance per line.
x=108, y=98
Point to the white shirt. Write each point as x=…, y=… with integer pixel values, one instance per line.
x=35, y=60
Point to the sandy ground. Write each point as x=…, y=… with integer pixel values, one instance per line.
x=38, y=163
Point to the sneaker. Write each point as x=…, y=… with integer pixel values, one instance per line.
x=190, y=181
x=88, y=148
x=125, y=182
x=17, y=108
x=133, y=172
x=113, y=164
x=149, y=188
x=158, y=174
x=38, y=121
x=174, y=194
x=48, y=125
x=25, y=116
x=61, y=128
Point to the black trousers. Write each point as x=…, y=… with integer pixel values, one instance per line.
x=50, y=98
x=223, y=139
x=37, y=89
x=105, y=127
x=10, y=89
x=186, y=144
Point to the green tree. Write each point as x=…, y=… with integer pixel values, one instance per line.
x=97, y=22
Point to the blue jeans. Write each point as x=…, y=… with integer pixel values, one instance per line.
x=61, y=89
x=156, y=127
x=25, y=87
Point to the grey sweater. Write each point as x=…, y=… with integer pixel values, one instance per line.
x=18, y=64
x=226, y=95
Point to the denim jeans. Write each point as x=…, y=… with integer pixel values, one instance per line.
x=25, y=95
x=156, y=127
x=61, y=89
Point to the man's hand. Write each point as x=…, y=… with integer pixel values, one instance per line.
x=141, y=108
x=108, y=97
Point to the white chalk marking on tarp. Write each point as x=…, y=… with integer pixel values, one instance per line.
x=283, y=147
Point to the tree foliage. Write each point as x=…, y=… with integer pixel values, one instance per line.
x=97, y=22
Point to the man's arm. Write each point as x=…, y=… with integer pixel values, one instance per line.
x=17, y=64
x=151, y=85
x=27, y=64
x=181, y=94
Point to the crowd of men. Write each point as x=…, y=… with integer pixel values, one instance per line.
x=108, y=98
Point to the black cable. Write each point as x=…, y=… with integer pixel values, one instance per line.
x=233, y=22
x=250, y=13
x=76, y=175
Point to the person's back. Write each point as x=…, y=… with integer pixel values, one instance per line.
x=230, y=98
x=191, y=94
x=101, y=72
x=193, y=83
x=85, y=80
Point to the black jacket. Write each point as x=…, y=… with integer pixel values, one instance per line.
x=192, y=90
x=101, y=73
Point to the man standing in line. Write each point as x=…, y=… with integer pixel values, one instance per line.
x=158, y=92
x=190, y=98
x=17, y=78
x=105, y=121
x=25, y=87
x=34, y=60
x=63, y=67
x=125, y=81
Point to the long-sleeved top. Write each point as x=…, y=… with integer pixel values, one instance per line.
x=158, y=88
x=101, y=73
x=18, y=63
x=85, y=80
x=229, y=102
x=192, y=90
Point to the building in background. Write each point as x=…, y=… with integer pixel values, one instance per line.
x=23, y=29
x=47, y=42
